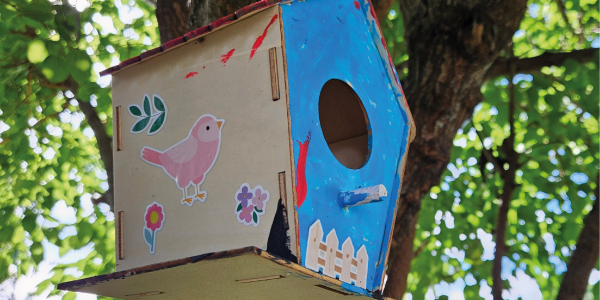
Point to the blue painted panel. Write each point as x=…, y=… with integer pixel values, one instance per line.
x=335, y=40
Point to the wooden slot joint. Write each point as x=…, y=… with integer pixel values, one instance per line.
x=119, y=136
x=332, y=290
x=274, y=75
x=283, y=197
x=145, y=294
x=260, y=279
x=120, y=235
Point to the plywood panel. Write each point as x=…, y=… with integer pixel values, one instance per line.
x=334, y=40
x=214, y=75
x=244, y=274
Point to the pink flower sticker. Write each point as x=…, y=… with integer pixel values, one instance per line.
x=154, y=219
x=250, y=204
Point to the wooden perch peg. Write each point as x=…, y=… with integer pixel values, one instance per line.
x=362, y=196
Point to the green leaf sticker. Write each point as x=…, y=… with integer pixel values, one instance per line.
x=145, y=117
x=148, y=235
x=158, y=123
x=140, y=125
x=258, y=210
x=135, y=110
x=159, y=104
x=254, y=217
x=239, y=207
x=147, y=108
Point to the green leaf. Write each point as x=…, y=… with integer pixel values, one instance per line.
x=258, y=210
x=69, y=296
x=474, y=220
x=29, y=222
x=147, y=108
x=159, y=104
x=254, y=217
x=148, y=236
x=36, y=51
x=158, y=123
x=135, y=110
x=239, y=207
x=79, y=65
x=38, y=10
x=55, y=69
x=140, y=125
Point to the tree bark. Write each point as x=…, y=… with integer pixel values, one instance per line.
x=585, y=256
x=206, y=11
x=172, y=17
x=451, y=45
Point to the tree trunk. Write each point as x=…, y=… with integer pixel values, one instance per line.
x=172, y=17
x=585, y=256
x=451, y=45
x=206, y=11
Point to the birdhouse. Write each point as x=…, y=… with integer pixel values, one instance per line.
x=261, y=154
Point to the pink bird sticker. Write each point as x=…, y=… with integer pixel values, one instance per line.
x=189, y=160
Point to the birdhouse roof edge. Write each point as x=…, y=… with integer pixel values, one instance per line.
x=194, y=34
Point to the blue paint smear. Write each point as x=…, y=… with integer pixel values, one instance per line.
x=350, y=198
x=355, y=289
x=332, y=40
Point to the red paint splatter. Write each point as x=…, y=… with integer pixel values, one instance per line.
x=226, y=57
x=357, y=5
x=191, y=74
x=203, y=67
x=300, y=171
x=260, y=39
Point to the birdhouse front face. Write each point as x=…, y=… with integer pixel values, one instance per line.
x=203, y=146
x=350, y=131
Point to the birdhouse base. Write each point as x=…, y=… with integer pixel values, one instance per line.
x=246, y=273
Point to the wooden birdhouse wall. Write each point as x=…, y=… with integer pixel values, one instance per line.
x=228, y=75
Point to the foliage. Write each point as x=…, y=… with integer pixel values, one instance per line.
x=50, y=53
x=556, y=124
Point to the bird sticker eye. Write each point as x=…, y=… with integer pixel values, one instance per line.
x=207, y=128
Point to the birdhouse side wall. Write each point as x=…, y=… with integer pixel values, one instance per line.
x=197, y=164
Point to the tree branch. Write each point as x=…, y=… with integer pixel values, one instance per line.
x=103, y=140
x=527, y=65
x=585, y=256
x=508, y=176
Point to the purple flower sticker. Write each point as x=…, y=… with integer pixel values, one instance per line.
x=244, y=196
x=250, y=204
x=259, y=199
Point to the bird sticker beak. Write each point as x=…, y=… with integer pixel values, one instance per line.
x=220, y=123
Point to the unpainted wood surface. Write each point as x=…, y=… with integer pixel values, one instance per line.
x=254, y=142
x=248, y=276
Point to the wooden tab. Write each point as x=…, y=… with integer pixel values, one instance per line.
x=362, y=196
x=118, y=134
x=120, y=236
x=283, y=197
x=274, y=75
